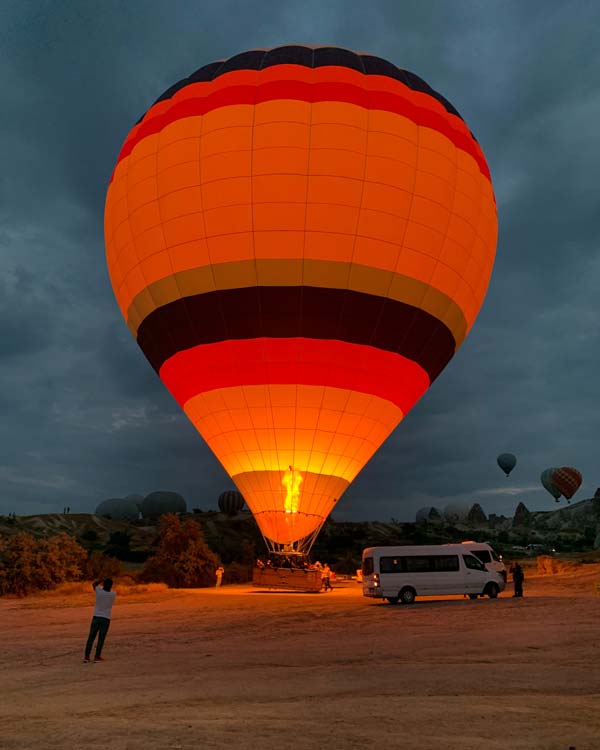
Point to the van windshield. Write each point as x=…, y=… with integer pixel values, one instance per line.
x=483, y=555
x=473, y=563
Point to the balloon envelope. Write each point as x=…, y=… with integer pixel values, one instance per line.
x=159, y=503
x=231, y=502
x=119, y=509
x=299, y=239
x=567, y=480
x=507, y=462
x=546, y=480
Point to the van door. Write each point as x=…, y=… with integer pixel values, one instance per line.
x=476, y=574
x=447, y=577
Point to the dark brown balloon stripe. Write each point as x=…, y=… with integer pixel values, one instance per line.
x=297, y=312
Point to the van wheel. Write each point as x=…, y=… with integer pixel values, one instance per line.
x=392, y=599
x=473, y=596
x=492, y=590
x=407, y=595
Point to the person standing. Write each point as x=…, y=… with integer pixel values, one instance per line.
x=326, y=578
x=105, y=598
x=518, y=578
x=219, y=573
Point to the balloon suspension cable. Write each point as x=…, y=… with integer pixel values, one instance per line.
x=298, y=548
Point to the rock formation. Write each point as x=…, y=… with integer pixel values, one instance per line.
x=522, y=515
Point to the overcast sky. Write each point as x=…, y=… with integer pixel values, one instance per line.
x=84, y=416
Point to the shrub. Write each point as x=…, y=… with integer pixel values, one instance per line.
x=182, y=558
x=124, y=580
x=28, y=565
x=99, y=566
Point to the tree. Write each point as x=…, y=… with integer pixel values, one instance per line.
x=182, y=558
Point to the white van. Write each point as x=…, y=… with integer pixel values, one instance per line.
x=403, y=573
x=488, y=556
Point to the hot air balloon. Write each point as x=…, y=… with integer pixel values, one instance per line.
x=230, y=502
x=119, y=509
x=158, y=503
x=507, y=462
x=546, y=480
x=299, y=239
x=567, y=480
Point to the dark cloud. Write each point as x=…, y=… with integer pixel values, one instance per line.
x=85, y=417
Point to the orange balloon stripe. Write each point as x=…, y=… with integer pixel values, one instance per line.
x=299, y=361
x=317, y=92
x=317, y=429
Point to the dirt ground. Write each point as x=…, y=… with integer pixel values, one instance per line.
x=236, y=668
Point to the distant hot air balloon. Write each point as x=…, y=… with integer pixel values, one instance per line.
x=507, y=462
x=158, y=503
x=546, y=480
x=119, y=509
x=299, y=239
x=231, y=502
x=567, y=480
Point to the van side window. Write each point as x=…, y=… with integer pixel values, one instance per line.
x=483, y=555
x=418, y=564
x=473, y=563
x=390, y=565
x=367, y=566
x=445, y=562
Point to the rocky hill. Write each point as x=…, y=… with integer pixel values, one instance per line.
x=570, y=528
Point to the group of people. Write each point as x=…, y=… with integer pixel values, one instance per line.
x=299, y=563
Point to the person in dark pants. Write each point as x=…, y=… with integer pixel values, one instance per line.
x=518, y=578
x=105, y=599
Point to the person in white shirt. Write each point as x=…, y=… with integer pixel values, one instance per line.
x=105, y=598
